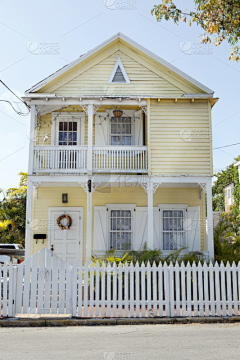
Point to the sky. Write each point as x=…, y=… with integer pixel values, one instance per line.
x=78, y=26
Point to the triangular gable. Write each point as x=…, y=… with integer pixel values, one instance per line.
x=119, y=74
x=120, y=42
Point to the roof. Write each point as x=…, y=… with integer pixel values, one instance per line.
x=119, y=35
x=231, y=183
x=237, y=163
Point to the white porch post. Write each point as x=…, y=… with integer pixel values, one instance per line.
x=150, y=215
x=31, y=139
x=150, y=189
x=210, y=221
x=89, y=221
x=28, y=219
x=30, y=184
x=90, y=139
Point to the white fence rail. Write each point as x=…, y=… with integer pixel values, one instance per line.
x=45, y=284
x=47, y=159
x=130, y=159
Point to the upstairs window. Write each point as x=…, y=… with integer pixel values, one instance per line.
x=67, y=133
x=121, y=131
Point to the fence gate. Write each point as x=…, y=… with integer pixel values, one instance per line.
x=44, y=285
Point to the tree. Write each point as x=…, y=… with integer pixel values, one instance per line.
x=225, y=177
x=218, y=18
x=13, y=213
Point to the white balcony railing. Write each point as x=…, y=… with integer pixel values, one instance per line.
x=131, y=159
x=48, y=159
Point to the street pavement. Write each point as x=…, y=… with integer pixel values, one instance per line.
x=126, y=342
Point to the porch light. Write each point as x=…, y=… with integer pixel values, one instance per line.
x=117, y=113
x=64, y=198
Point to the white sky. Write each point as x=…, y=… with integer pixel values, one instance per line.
x=78, y=26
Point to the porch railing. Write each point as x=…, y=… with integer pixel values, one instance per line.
x=47, y=159
x=132, y=159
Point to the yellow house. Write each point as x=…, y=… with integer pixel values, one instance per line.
x=120, y=154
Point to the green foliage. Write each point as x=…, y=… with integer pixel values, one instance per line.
x=226, y=242
x=224, y=177
x=13, y=213
x=146, y=255
x=236, y=182
x=218, y=18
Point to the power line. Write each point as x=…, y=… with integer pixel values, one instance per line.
x=9, y=102
x=226, y=146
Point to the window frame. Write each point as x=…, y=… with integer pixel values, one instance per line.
x=118, y=207
x=172, y=207
x=61, y=117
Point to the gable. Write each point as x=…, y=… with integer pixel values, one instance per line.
x=142, y=81
x=90, y=75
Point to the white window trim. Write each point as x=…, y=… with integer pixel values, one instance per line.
x=55, y=126
x=163, y=207
x=129, y=113
x=109, y=208
x=120, y=64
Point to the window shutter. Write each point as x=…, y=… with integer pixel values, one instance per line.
x=141, y=232
x=138, y=125
x=101, y=129
x=100, y=239
x=192, y=227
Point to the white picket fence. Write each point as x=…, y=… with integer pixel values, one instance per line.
x=45, y=284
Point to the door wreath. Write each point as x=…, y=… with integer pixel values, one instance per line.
x=68, y=224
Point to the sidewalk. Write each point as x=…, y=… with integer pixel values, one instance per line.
x=45, y=321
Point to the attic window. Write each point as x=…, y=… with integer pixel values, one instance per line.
x=119, y=74
x=118, y=77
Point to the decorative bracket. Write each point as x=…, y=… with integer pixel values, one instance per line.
x=144, y=109
x=85, y=108
x=149, y=186
x=95, y=108
x=203, y=186
x=35, y=186
x=84, y=185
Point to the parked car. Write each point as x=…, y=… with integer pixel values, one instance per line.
x=8, y=259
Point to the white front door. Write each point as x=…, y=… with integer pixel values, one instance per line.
x=66, y=244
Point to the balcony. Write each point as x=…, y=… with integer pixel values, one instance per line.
x=128, y=159
x=73, y=159
x=60, y=159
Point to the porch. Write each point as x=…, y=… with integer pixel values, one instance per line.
x=123, y=213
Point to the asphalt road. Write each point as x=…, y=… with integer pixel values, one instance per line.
x=181, y=342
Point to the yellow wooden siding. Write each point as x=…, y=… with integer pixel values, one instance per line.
x=180, y=137
x=52, y=197
x=95, y=80
x=85, y=77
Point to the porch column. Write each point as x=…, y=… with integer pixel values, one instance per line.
x=150, y=216
x=31, y=139
x=30, y=184
x=89, y=221
x=28, y=219
x=90, y=139
x=210, y=240
x=150, y=189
